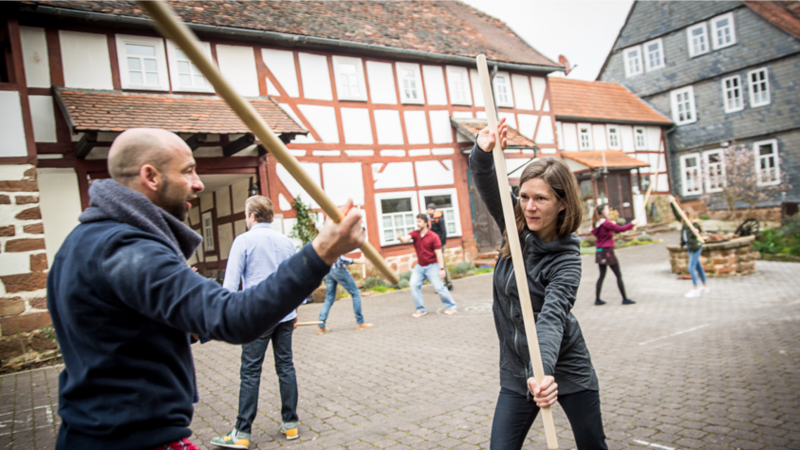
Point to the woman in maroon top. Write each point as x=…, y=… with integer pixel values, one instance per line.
x=603, y=229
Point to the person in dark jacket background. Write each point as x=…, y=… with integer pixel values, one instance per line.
x=123, y=300
x=437, y=224
x=604, y=229
x=547, y=214
x=694, y=248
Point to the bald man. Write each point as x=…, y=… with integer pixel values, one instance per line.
x=123, y=300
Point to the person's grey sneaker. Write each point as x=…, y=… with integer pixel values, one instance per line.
x=234, y=439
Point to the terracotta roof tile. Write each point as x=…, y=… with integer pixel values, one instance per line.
x=116, y=111
x=784, y=15
x=445, y=27
x=600, y=100
x=468, y=128
x=614, y=159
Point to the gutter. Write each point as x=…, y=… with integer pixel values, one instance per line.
x=615, y=121
x=285, y=39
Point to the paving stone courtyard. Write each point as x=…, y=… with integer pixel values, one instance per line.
x=717, y=372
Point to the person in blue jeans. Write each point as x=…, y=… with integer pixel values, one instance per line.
x=254, y=256
x=430, y=266
x=340, y=275
x=694, y=248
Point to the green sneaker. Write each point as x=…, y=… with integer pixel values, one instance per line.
x=234, y=439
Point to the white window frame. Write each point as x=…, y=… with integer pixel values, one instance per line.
x=160, y=57
x=698, y=174
x=755, y=99
x=647, y=53
x=714, y=29
x=339, y=61
x=501, y=83
x=453, y=193
x=714, y=171
x=733, y=89
x=172, y=55
x=379, y=209
x=704, y=38
x=466, y=97
x=617, y=136
x=643, y=134
x=417, y=78
x=208, y=231
x=758, y=157
x=588, y=135
x=677, y=99
x=626, y=54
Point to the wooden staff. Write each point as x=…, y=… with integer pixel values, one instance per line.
x=306, y=324
x=653, y=180
x=516, y=250
x=688, y=222
x=173, y=29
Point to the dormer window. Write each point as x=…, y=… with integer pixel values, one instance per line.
x=633, y=61
x=142, y=62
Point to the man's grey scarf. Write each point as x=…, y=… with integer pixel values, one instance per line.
x=110, y=200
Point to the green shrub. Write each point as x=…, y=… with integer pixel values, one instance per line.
x=644, y=237
x=380, y=288
x=405, y=276
x=463, y=268
x=705, y=217
x=482, y=270
x=784, y=240
x=403, y=284
x=372, y=282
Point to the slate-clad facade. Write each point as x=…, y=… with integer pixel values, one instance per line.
x=710, y=52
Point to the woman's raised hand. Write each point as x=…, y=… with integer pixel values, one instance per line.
x=486, y=138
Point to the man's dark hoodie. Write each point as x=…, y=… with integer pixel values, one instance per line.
x=438, y=226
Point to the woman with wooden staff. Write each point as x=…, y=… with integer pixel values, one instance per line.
x=604, y=230
x=694, y=247
x=547, y=215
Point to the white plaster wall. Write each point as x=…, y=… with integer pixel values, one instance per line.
x=511, y=119
x=516, y=163
x=546, y=106
x=443, y=151
x=381, y=83
x=206, y=202
x=522, y=91
x=440, y=127
x=60, y=203
x=545, y=133
x=570, y=137
x=11, y=127
x=434, y=85
x=662, y=183
x=387, y=124
x=653, y=138
x=599, y=137
x=225, y=235
x=299, y=139
x=477, y=92
x=238, y=65
x=416, y=127
x=43, y=118
x=34, y=56
x=433, y=173
x=343, y=181
x=239, y=193
x=223, y=199
x=560, y=135
x=357, y=126
x=194, y=215
x=418, y=152
x=315, y=77
x=312, y=169
x=240, y=227
x=323, y=120
x=281, y=64
x=538, y=85
x=393, y=153
x=626, y=133
x=395, y=175
x=85, y=60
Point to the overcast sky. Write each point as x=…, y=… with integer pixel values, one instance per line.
x=582, y=30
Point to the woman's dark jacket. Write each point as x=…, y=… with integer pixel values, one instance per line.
x=554, y=274
x=688, y=238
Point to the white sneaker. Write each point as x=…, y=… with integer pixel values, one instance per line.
x=692, y=294
x=705, y=289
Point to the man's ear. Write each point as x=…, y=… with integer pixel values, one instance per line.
x=150, y=177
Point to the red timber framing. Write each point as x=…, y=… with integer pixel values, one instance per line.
x=17, y=82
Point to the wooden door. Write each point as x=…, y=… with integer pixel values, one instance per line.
x=620, y=196
x=487, y=233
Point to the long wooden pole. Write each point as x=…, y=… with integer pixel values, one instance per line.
x=688, y=222
x=653, y=179
x=173, y=29
x=516, y=250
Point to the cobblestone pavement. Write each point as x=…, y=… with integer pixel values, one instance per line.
x=720, y=371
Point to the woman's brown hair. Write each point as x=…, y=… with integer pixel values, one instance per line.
x=561, y=181
x=597, y=214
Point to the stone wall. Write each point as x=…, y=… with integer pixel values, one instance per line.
x=723, y=259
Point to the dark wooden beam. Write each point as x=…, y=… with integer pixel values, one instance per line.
x=86, y=144
x=196, y=140
x=238, y=145
x=261, y=150
x=287, y=137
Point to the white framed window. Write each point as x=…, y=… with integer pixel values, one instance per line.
x=723, y=33
x=715, y=170
x=397, y=213
x=732, y=98
x=758, y=81
x=654, y=54
x=767, y=167
x=584, y=136
x=349, y=73
x=683, y=111
x=697, y=35
x=208, y=232
x=502, y=90
x=458, y=85
x=410, y=83
x=185, y=76
x=446, y=201
x=633, y=61
x=691, y=179
x=640, y=138
x=614, y=141
x=142, y=63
